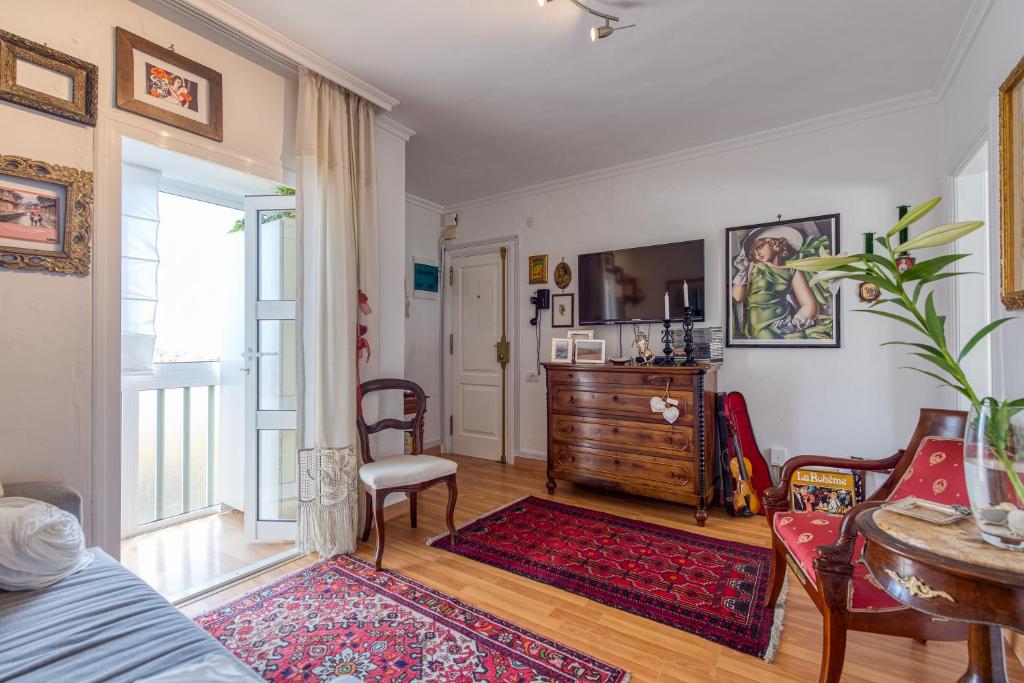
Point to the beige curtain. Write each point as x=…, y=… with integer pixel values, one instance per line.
x=338, y=331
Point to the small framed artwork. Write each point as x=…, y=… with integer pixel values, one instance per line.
x=426, y=278
x=562, y=310
x=42, y=78
x=539, y=269
x=561, y=351
x=579, y=334
x=158, y=83
x=1011, y=187
x=45, y=216
x=589, y=351
x=771, y=306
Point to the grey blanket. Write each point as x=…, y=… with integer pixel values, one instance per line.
x=101, y=624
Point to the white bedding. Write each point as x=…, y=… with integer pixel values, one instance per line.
x=39, y=544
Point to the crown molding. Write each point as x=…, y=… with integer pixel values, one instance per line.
x=834, y=120
x=239, y=26
x=424, y=203
x=394, y=127
x=976, y=14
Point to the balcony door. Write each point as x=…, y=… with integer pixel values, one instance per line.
x=269, y=366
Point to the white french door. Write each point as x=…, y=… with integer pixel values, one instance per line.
x=271, y=468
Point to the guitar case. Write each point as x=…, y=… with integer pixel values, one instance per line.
x=734, y=409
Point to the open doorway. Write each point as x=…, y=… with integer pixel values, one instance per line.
x=208, y=376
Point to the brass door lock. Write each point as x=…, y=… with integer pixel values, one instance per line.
x=504, y=351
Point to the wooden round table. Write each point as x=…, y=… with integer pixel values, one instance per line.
x=950, y=572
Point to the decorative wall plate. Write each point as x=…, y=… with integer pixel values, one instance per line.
x=563, y=275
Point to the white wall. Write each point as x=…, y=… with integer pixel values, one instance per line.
x=852, y=401
x=423, y=317
x=46, y=350
x=966, y=112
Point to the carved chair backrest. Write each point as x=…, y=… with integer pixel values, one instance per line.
x=949, y=424
x=414, y=425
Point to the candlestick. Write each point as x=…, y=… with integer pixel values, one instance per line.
x=666, y=339
x=686, y=295
x=688, y=336
x=667, y=313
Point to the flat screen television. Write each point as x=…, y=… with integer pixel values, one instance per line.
x=629, y=285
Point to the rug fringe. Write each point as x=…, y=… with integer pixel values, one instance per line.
x=777, y=618
x=433, y=539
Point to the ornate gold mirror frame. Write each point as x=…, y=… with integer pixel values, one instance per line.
x=76, y=243
x=1011, y=186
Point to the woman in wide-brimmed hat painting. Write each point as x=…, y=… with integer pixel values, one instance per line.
x=779, y=302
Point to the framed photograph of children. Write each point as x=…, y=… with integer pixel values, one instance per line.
x=562, y=310
x=561, y=351
x=589, y=351
x=45, y=216
x=770, y=305
x=156, y=82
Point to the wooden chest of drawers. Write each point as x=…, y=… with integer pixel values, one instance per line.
x=602, y=431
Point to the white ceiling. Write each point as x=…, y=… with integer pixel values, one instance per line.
x=504, y=94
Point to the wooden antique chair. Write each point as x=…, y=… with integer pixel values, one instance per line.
x=824, y=550
x=408, y=474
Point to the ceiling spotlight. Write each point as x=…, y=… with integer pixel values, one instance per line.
x=597, y=32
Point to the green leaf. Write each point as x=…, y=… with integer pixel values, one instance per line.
x=923, y=347
x=893, y=316
x=816, y=263
x=942, y=276
x=942, y=380
x=938, y=361
x=914, y=215
x=979, y=335
x=933, y=322
x=933, y=266
x=944, y=234
x=895, y=302
x=882, y=283
x=886, y=263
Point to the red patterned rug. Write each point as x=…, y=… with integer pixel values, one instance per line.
x=702, y=585
x=341, y=618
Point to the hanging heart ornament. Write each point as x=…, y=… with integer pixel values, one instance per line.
x=671, y=414
x=657, y=404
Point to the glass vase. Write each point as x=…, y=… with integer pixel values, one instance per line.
x=994, y=470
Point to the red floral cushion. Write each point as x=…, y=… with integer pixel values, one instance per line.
x=936, y=473
x=803, y=532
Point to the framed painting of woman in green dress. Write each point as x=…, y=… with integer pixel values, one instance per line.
x=770, y=305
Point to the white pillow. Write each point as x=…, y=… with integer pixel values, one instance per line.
x=39, y=544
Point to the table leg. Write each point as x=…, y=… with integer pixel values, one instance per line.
x=985, y=649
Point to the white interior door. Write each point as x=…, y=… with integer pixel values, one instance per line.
x=476, y=293
x=271, y=482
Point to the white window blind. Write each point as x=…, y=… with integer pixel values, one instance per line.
x=140, y=261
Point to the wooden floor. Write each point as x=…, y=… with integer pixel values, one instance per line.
x=178, y=559
x=651, y=651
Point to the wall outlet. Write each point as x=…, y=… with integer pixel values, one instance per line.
x=532, y=377
x=777, y=456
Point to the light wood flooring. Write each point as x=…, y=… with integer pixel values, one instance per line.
x=651, y=651
x=178, y=559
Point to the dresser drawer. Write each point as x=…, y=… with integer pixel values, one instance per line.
x=671, y=440
x=622, y=377
x=570, y=459
x=621, y=402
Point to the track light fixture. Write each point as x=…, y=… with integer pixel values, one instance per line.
x=597, y=32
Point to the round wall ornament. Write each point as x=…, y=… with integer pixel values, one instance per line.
x=563, y=275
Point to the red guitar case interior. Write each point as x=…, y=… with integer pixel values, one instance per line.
x=736, y=410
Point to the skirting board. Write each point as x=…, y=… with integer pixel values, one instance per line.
x=533, y=455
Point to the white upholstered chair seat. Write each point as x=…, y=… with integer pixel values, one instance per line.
x=404, y=470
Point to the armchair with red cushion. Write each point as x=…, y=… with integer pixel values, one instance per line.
x=823, y=550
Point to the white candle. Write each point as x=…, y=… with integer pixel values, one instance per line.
x=667, y=316
x=686, y=295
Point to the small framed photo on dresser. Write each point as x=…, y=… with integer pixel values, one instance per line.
x=561, y=351
x=562, y=310
x=589, y=351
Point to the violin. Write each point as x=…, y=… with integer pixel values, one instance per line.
x=745, y=499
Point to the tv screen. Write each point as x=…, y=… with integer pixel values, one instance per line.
x=628, y=285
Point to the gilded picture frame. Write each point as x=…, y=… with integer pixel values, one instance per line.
x=54, y=70
x=158, y=83
x=39, y=197
x=1011, y=187
x=538, y=265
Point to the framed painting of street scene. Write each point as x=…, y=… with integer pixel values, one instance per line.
x=45, y=216
x=770, y=305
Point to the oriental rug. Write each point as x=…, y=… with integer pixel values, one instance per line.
x=702, y=585
x=340, y=618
